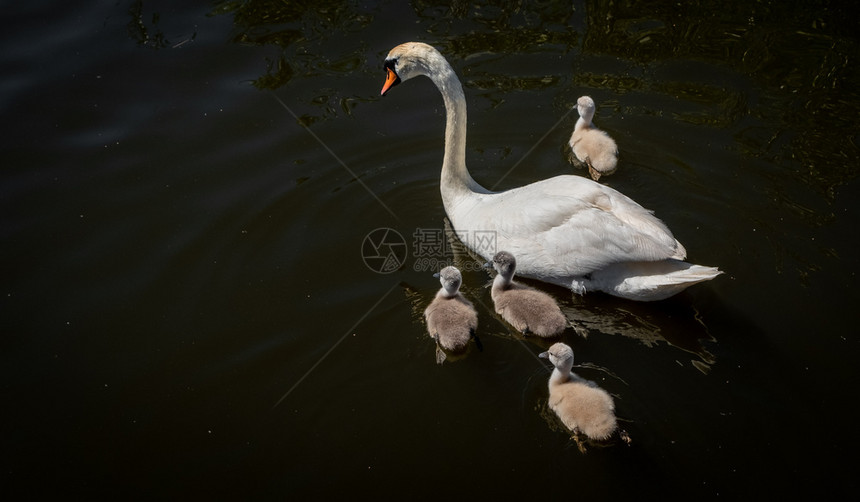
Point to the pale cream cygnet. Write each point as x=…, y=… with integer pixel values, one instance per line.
x=582, y=406
x=590, y=145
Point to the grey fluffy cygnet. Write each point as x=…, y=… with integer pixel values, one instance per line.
x=528, y=310
x=582, y=406
x=451, y=318
x=591, y=145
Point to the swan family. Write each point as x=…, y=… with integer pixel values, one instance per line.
x=566, y=230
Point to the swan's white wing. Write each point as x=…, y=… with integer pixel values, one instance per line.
x=569, y=225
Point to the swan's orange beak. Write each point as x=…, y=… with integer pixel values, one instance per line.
x=391, y=79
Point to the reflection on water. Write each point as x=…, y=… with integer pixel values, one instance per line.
x=285, y=24
x=684, y=330
x=145, y=29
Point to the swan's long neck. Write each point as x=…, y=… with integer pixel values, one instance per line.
x=456, y=180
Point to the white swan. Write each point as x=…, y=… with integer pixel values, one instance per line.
x=582, y=406
x=567, y=230
x=527, y=309
x=590, y=145
x=451, y=318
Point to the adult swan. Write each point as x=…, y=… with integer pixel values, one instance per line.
x=566, y=230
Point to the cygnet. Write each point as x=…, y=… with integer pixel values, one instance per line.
x=451, y=318
x=528, y=310
x=582, y=406
x=591, y=145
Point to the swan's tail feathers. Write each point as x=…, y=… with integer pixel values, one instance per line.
x=693, y=275
x=652, y=281
x=681, y=252
x=659, y=287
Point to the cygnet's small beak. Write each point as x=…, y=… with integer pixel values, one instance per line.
x=489, y=264
x=436, y=275
x=544, y=355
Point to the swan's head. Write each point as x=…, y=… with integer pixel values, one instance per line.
x=560, y=355
x=585, y=107
x=411, y=60
x=505, y=264
x=451, y=279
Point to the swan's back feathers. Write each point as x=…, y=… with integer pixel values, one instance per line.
x=569, y=226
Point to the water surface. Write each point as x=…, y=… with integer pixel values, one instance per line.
x=186, y=190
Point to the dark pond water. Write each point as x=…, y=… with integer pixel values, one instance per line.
x=187, y=311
